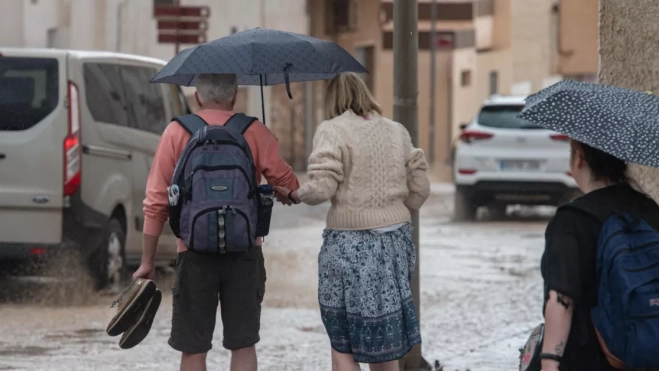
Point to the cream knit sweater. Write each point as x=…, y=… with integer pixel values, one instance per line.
x=370, y=171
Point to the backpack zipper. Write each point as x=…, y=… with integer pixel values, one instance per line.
x=642, y=269
x=249, y=229
x=194, y=220
x=636, y=249
x=217, y=167
x=206, y=210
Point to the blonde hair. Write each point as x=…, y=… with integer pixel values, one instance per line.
x=347, y=92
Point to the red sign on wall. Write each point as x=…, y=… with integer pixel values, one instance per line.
x=182, y=24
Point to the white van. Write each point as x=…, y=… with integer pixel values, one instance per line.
x=78, y=132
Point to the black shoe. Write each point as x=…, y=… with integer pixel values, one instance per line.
x=131, y=302
x=140, y=329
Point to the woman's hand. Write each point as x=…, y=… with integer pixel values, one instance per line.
x=285, y=196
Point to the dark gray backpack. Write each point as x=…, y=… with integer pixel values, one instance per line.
x=213, y=196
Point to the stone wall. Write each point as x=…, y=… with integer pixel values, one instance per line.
x=629, y=57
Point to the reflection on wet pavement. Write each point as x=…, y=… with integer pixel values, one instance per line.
x=480, y=292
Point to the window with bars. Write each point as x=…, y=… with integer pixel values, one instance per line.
x=494, y=82
x=341, y=16
x=366, y=56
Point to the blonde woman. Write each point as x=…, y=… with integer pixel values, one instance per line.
x=366, y=165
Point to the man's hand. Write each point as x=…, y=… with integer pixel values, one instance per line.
x=145, y=271
x=281, y=193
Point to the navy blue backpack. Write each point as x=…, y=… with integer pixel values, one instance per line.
x=626, y=317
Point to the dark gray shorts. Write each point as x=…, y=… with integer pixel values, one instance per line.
x=236, y=281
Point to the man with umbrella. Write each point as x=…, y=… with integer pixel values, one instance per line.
x=602, y=250
x=240, y=281
x=253, y=57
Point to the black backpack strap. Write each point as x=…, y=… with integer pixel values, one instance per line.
x=240, y=122
x=191, y=123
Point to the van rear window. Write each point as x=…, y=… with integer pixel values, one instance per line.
x=29, y=91
x=504, y=117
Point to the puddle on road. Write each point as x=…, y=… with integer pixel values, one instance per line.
x=25, y=351
x=79, y=334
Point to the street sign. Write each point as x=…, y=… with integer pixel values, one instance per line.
x=182, y=39
x=181, y=24
x=182, y=11
x=444, y=41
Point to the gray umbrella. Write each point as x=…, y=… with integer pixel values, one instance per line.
x=261, y=57
x=618, y=121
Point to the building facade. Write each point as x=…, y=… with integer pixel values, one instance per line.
x=578, y=39
x=483, y=47
x=129, y=26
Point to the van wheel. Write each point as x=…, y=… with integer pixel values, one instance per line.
x=464, y=208
x=109, y=265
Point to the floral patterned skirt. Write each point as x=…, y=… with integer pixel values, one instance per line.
x=364, y=293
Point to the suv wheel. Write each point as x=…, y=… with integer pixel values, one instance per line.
x=497, y=211
x=109, y=265
x=464, y=208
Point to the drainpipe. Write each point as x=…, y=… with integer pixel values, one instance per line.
x=308, y=100
x=433, y=61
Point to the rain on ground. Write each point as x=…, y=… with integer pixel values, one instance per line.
x=481, y=294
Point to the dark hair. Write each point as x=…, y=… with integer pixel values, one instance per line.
x=603, y=165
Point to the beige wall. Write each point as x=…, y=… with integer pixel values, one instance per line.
x=496, y=60
x=128, y=26
x=501, y=31
x=579, y=37
x=532, y=52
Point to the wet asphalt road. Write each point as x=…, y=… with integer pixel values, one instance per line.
x=480, y=295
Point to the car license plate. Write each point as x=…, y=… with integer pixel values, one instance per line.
x=520, y=165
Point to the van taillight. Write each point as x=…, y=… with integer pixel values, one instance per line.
x=469, y=136
x=72, y=145
x=560, y=137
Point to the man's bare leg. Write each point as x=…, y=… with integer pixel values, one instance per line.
x=193, y=362
x=244, y=359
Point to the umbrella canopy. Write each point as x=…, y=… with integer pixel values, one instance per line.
x=618, y=121
x=261, y=57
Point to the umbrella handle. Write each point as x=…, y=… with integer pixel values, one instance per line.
x=287, y=80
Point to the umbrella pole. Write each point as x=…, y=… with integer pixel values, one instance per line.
x=262, y=100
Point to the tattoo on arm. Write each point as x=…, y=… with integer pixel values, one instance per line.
x=560, y=348
x=564, y=301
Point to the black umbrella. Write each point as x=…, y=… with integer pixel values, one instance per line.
x=618, y=121
x=261, y=57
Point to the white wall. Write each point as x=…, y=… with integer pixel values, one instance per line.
x=11, y=24
x=128, y=26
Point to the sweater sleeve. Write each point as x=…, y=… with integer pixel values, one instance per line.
x=417, y=177
x=325, y=170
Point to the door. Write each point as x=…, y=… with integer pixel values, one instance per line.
x=148, y=116
x=33, y=128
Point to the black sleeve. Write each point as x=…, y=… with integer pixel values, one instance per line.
x=565, y=237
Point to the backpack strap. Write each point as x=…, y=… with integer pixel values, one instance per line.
x=240, y=122
x=191, y=123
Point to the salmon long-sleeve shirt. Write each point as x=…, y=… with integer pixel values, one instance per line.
x=265, y=152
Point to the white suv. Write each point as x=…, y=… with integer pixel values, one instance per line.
x=501, y=160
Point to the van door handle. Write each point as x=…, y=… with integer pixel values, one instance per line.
x=2, y=156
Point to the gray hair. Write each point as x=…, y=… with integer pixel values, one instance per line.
x=220, y=88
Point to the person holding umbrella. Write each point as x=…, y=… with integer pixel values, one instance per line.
x=253, y=57
x=366, y=165
x=602, y=250
x=236, y=281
